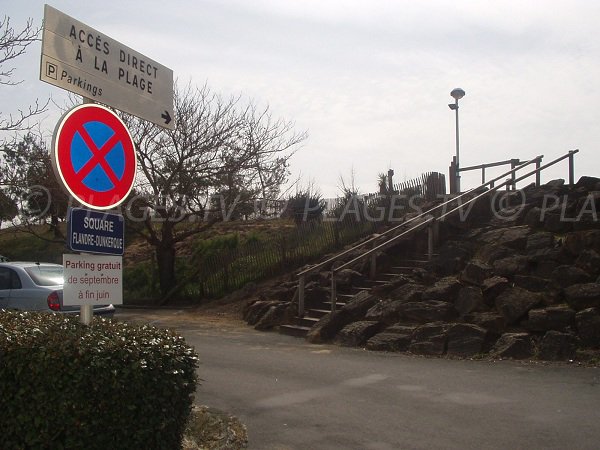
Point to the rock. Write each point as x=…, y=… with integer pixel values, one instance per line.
x=345, y=278
x=276, y=315
x=357, y=333
x=515, y=303
x=531, y=283
x=539, y=240
x=465, y=339
x=469, y=299
x=493, y=322
x=410, y=292
x=394, y=283
x=589, y=183
x=533, y=218
x=427, y=311
x=556, y=318
x=557, y=346
x=429, y=339
x=582, y=296
x=326, y=328
x=257, y=309
x=513, y=237
x=493, y=287
x=559, y=182
x=314, y=293
x=578, y=241
x=489, y=253
x=386, y=311
x=389, y=342
x=514, y=345
x=396, y=338
x=589, y=261
x=567, y=275
x=511, y=265
x=476, y=272
x=445, y=290
x=553, y=222
x=588, y=326
x=543, y=268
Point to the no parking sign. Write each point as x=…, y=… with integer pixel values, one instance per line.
x=93, y=156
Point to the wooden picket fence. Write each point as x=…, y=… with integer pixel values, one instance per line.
x=226, y=270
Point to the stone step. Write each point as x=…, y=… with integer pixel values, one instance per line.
x=306, y=321
x=294, y=330
x=318, y=313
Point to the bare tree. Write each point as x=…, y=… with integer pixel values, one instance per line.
x=220, y=152
x=12, y=45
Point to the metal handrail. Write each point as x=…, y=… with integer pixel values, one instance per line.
x=429, y=219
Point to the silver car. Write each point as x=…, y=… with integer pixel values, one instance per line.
x=33, y=286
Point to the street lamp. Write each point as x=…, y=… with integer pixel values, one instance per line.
x=456, y=94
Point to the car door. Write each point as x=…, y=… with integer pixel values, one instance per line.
x=24, y=294
x=4, y=287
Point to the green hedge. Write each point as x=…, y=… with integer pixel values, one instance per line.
x=64, y=385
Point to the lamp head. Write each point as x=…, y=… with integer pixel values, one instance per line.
x=457, y=93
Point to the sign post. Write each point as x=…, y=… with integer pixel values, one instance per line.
x=93, y=155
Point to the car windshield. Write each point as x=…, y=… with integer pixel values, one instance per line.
x=46, y=275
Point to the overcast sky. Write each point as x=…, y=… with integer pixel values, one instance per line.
x=370, y=80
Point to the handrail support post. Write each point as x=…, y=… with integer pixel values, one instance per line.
x=301, y=283
x=333, y=291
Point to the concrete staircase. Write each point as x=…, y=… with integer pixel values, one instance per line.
x=300, y=326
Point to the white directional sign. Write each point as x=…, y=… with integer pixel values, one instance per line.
x=92, y=280
x=82, y=60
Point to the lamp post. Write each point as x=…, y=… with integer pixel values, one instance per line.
x=456, y=94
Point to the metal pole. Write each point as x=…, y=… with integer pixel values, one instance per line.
x=333, y=291
x=86, y=313
x=538, y=174
x=457, y=151
x=301, y=296
x=571, y=168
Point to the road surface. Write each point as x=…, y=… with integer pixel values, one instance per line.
x=294, y=395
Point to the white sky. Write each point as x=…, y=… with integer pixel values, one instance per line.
x=370, y=80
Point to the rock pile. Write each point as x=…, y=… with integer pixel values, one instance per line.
x=521, y=281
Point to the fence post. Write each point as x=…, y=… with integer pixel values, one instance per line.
x=483, y=174
x=538, y=174
x=373, y=266
x=301, y=282
x=452, y=173
x=333, y=291
x=430, y=239
x=571, y=168
x=513, y=176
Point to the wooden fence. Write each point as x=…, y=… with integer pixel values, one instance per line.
x=226, y=270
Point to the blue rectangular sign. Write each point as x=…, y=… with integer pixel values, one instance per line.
x=95, y=232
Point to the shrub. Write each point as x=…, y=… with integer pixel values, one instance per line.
x=106, y=385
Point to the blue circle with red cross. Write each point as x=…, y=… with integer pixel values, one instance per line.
x=94, y=156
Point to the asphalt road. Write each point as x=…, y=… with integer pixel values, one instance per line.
x=294, y=395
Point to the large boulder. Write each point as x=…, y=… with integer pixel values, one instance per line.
x=386, y=311
x=578, y=241
x=429, y=339
x=389, y=286
x=464, y=339
x=446, y=290
x=493, y=322
x=514, y=345
x=511, y=266
x=531, y=283
x=588, y=326
x=557, y=346
x=513, y=237
x=255, y=310
x=275, y=316
x=556, y=318
x=326, y=328
x=582, y=296
x=469, y=299
x=396, y=338
x=357, y=333
x=410, y=292
x=589, y=260
x=567, y=275
x=493, y=287
x=427, y=311
x=476, y=272
x=539, y=240
x=346, y=278
x=515, y=303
